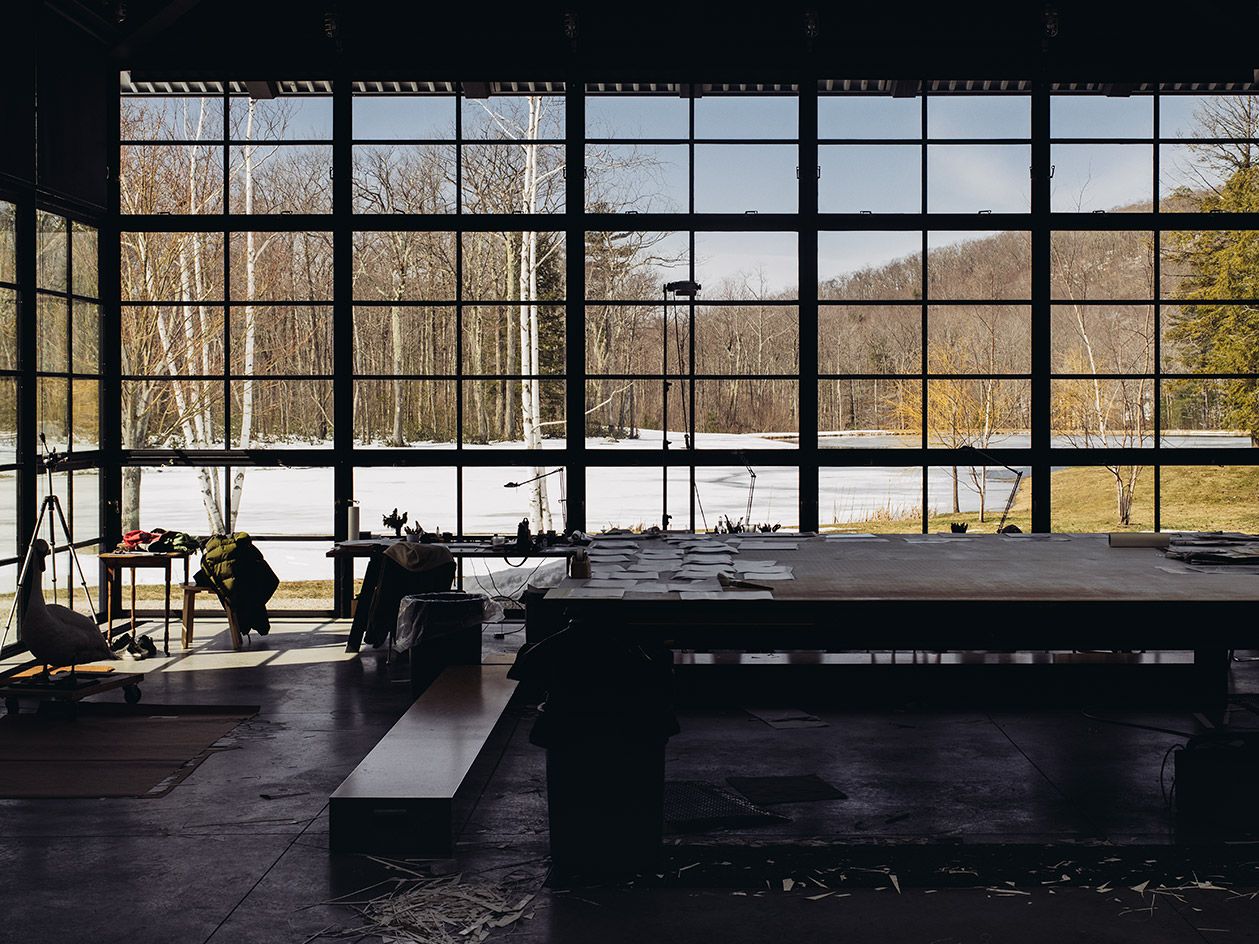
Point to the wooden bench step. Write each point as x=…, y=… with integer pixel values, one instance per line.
x=413, y=791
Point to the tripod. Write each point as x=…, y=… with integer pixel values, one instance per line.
x=51, y=503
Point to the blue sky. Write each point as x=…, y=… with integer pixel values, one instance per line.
x=874, y=177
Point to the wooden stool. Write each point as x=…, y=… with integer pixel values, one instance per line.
x=190, y=614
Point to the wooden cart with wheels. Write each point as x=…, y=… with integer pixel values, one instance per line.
x=29, y=685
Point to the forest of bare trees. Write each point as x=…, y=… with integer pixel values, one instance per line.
x=478, y=318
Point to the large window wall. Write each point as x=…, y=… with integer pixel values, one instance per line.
x=418, y=294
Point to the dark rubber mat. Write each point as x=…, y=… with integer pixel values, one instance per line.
x=805, y=788
x=697, y=805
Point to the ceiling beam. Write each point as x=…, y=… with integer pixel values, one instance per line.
x=144, y=33
x=86, y=19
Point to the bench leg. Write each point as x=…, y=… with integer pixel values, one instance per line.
x=232, y=629
x=189, y=615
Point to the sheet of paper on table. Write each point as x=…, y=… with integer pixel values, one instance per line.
x=594, y=593
x=772, y=575
x=758, y=565
x=635, y=575
x=596, y=583
x=708, y=583
x=726, y=595
x=649, y=586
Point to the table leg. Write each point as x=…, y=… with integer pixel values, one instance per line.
x=133, y=602
x=166, y=614
x=1211, y=670
x=109, y=603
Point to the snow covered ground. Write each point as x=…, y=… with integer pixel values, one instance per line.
x=298, y=501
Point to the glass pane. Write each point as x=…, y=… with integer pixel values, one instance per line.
x=427, y=495
x=1208, y=498
x=415, y=117
x=637, y=116
x=868, y=116
x=1211, y=339
x=85, y=261
x=1103, y=339
x=637, y=178
x=1099, y=266
x=284, y=501
x=8, y=423
x=409, y=266
x=747, y=413
x=1208, y=413
x=493, y=270
x=281, y=340
x=405, y=339
x=171, y=118
x=8, y=515
x=746, y=116
x=87, y=419
x=306, y=582
x=51, y=251
x=1101, y=116
x=53, y=316
x=858, y=178
x=870, y=339
x=51, y=412
x=873, y=266
x=869, y=414
x=8, y=329
x=503, y=178
x=171, y=178
x=633, y=498
x=1209, y=116
x=1087, y=499
x=626, y=413
x=289, y=117
x=981, y=413
x=1210, y=266
x=513, y=117
x=746, y=178
x=979, y=339
x=178, y=498
x=1108, y=177
x=280, y=178
x=489, y=507
x=628, y=339
x=634, y=266
x=870, y=500
x=8, y=242
x=277, y=413
x=979, y=116
x=747, y=265
x=281, y=266
x=399, y=413
x=978, y=178
x=528, y=413
x=170, y=267
x=1102, y=414
x=747, y=339
x=979, y=265
x=491, y=340
x=977, y=496
x=402, y=178
x=724, y=493
x=172, y=414
x=172, y=341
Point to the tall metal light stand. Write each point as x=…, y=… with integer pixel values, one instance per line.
x=687, y=289
x=51, y=462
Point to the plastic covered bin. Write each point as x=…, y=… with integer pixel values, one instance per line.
x=441, y=629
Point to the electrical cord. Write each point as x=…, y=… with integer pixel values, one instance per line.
x=1168, y=798
x=1133, y=724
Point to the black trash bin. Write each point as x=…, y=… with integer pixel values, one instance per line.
x=440, y=629
x=606, y=720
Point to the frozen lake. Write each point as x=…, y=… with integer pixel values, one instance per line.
x=299, y=502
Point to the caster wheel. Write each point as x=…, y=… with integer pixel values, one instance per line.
x=12, y=706
x=131, y=693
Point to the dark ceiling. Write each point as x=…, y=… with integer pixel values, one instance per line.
x=1212, y=39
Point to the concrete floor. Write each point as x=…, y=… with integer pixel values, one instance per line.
x=960, y=826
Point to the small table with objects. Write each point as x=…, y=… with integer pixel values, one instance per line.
x=116, y=561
